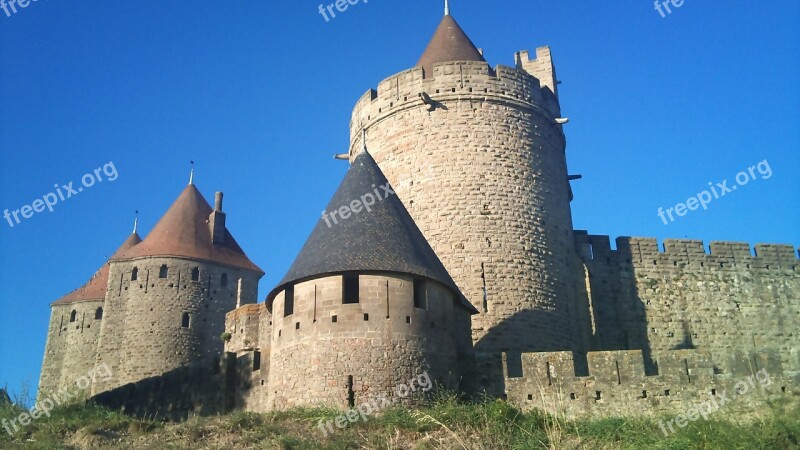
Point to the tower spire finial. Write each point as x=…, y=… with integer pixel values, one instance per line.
x=136, y=221
x=446, y=7
x=191, y=173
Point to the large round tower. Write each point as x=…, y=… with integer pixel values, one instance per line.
x=167, y=296
x=367, y=311
x=477, y=154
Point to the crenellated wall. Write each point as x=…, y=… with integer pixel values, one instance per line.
x=541, y=67
x=145, y=333
x=482, y=170
x=616, y=384
x=683, y=297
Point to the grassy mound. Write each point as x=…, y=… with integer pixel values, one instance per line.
x=446, y=423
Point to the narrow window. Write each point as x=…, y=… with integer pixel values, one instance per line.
x=73, y=315
x=134, y=274
x=163, y=271
x=185, y=320
x=256, y=361
x=224, y=280
x=288, y=301
x=195, y=274
x=420, y=294
x=350, y=289
x=351, y=394
x=98, y=313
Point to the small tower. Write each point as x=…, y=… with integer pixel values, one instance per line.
x=366, y=306
x=168, y=296
x=477, y=154
x=75, y=322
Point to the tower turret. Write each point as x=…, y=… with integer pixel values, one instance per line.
x=366, y=307
x=168, y=296
x=477, y=154
x=75, y=322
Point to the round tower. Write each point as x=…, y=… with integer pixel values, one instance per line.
x=367, y=311
x=167, y=297
x=75, y=320
x=477, y=154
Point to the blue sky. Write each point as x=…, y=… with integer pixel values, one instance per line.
x=259, y=94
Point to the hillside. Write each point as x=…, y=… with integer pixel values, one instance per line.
x=445, y=424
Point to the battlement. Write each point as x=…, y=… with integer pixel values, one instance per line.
x=454, y=81
x=540, y=67
x=617, y=384
x=645, y=252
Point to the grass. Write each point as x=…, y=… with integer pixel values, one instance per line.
x=446, y=423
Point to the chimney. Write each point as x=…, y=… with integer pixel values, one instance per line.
x=217, y=221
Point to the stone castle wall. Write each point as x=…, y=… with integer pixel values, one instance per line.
x=335, y=354
x=682, y=297
x=71, y=344
x=616, y=384
x=250, y=327
x=54, y=350
x=81, y=341
x=145, y=332
x=200, y=388
x=481, y=168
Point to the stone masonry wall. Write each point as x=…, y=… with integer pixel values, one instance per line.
x=482, y=171
x=199, y=388
x=71, y=346
x=144, y=334
x=250, y=327
x=541, y=67
x=54, y=350
x=682, y=297
x=82, y=335
x=335, y=354
x=617, y=385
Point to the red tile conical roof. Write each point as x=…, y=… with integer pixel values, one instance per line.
x=95, y=288
x=184, y=230
x=449, y=43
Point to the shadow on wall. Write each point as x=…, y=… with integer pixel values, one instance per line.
x=605, y=309
x=206, y=388
x=618, y=316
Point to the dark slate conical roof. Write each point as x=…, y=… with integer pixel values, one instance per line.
x=384, y=239
x=95, y=288
x=449, y=43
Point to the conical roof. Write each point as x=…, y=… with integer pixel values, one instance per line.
x=95, y=288
x=381, y=239
x=185, y=231
x=449, y=43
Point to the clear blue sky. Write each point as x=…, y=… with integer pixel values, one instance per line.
x=259, y=94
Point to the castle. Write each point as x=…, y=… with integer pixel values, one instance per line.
x=448, y=250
